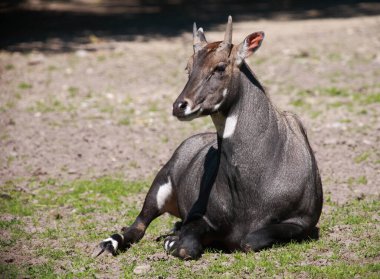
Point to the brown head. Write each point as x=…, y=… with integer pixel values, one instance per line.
x=213, y=70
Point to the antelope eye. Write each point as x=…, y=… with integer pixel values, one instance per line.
x=220, y=67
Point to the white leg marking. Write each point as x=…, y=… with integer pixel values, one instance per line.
x=230, y=126
x=113, y=241
x=171, y=244
x=167, y=245
x=164, y=192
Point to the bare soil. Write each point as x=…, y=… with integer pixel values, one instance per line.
x=106, y=108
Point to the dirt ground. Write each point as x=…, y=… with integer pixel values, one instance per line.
x=104, y=109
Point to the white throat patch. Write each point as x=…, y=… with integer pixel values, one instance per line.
x=217, y=106
x=164, y=192
x=230, y=126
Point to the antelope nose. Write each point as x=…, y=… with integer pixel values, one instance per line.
x=179, y=107
x=182, y=105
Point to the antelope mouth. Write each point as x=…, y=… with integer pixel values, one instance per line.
x=190, y=114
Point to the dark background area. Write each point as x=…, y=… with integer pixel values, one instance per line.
x=50, y=25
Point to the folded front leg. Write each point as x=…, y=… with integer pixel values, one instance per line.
x=187, y=243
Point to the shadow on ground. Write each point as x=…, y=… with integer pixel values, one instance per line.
x=59, y=26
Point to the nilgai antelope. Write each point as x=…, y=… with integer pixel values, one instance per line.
x=253, y=183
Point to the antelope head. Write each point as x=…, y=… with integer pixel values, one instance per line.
x=213, y=72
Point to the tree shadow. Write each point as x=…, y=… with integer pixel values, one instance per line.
x=60, y=26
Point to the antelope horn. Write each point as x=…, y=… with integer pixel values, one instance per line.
x=227, y=42
x=195, y=37
x=228, y=34
x=199, y=39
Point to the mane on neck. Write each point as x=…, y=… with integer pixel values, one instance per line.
x=251, y=76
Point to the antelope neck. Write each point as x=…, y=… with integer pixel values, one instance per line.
x=251, y=107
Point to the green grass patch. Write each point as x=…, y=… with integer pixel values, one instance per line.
x=52, y=68
x=351, y=213
x=125, y=121
x=366, y=99
x=372, y=98
x=71, y=217
x=334, y=56
x=360, y=180
x=345, y=120
x=17, y=204
x=45, y=270
x=153, y=107
x=6, y=224
x=101, y=58
x=51, y=253
x=300, y=103
x=24, y=85
x=9, y=270
x=50, y=105
x=73, y=91
x=362, y=157
x=7, y=106
x=101, y=195
x=336, y=98
x=340, y=270
x=9, y=67
x=335, y=92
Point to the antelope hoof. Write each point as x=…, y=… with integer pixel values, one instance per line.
x=111, y=244
x=108, y=245
x=171, y=244
x=173, y=247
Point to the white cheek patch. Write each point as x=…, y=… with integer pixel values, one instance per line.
x=225, y=92
x=230, y=126
x=114, y=242
x=217, y=106
x=164, y=192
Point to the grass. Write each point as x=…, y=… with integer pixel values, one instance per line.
x=369, y=99
x=51, y=104
x=336, y=98
x=24, y=85
x=9, y=67
x=101, y=58
x=301, y=103
x=73, y=91
x=125, y=121
x=360, y=180
x=362, y=157
x=7, y=106
x=70, y=218
x=334, y=92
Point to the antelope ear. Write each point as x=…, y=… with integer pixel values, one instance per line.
x=250, y=44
